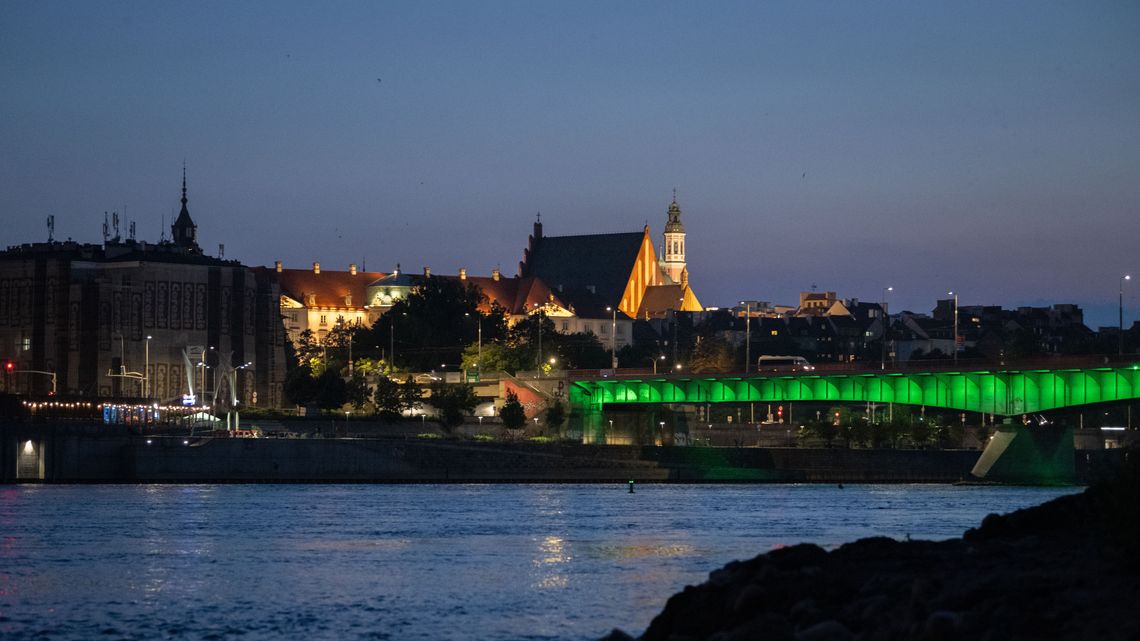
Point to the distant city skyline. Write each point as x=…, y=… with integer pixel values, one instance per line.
x=988, y=149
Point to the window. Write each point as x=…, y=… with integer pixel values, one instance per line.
x=621, y=330
x=324, y=320
x=565, y=325
x=775, y=332
x=605, y=329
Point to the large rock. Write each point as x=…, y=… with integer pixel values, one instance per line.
x=1067, y=569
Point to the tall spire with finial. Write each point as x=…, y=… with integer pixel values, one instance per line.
x=674, y=254
x=184, y=232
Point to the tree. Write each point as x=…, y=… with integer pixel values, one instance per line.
x=356, y=390
x=577, y=350
x=555, y=415
x=712, y=353
x=512, y=413
x=411, y=394
x=434, y=323
x=389, y=398
x=332, y=392
x=824, y=430
x=300, y=386
x=499, y=357
x=306, y=348
x=453, y=402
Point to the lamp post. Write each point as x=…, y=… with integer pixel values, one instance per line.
x=747, y=333
x=1120, y=326
x=613, y=337
x=146, y=370
x=479, y=353
x=886, y=322
x=654, y=361
x=538, y=317
x=955, y=326
x=392, y=342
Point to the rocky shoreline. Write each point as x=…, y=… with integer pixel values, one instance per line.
x=1067, y=569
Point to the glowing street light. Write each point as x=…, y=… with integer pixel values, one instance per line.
x=613, y=337
x=955, y=326
x=886, y=322
x=747, y=333
x=1120, y=327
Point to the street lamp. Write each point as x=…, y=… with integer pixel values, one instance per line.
x=1120, y=334
x=479, y=355
x=146, y=370
x=747, y=333
x=613, y=337
x=886, y=321
x=659, y=358
x=955, y=326
x=538, y=317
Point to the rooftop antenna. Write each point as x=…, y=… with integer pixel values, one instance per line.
x=51, y=227
x=106, y=228
x=221, y=250
x=132, y=228
x=813, y=287
x=115, y=223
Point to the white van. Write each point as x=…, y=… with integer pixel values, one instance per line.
x=783, y=364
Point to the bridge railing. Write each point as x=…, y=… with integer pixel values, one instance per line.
x=1081, y=361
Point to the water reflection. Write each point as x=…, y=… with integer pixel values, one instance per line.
x=434, y=562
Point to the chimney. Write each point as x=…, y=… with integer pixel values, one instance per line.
x=278, y=266
x=352, y=268
x=495, y=274
x=462, y=273
x=316, y=268
x=427, y=272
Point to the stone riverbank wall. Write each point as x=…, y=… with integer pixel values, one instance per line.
x=67, y=454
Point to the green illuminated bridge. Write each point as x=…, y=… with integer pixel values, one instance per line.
x=1005, y=392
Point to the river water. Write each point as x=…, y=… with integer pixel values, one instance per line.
x=438, y=562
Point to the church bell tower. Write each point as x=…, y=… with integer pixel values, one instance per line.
x=674, y=242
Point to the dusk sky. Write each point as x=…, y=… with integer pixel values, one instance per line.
x=991, y=147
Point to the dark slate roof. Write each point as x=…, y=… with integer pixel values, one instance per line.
x=603, y=261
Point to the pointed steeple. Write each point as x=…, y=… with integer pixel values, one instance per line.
x=184, y=232
x=673, y=224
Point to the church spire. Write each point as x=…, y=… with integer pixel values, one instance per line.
x=184, y=232
x=674, y=254
x=188, y=213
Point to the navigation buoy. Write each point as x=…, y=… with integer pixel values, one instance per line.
x=631, y=486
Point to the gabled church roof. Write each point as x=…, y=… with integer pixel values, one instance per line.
x=602, y=262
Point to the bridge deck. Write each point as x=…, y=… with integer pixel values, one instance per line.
x=1004, y=392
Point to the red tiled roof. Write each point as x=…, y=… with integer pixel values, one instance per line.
x=329, y=288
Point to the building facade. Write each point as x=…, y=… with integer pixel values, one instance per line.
x=131, y=319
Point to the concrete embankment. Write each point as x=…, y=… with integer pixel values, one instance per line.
x=91, y=454
x=65, y=454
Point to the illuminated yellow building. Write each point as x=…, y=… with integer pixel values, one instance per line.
x=594, y=271
x=314, y=300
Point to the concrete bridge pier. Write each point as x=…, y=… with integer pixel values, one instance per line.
x=1038, y=455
